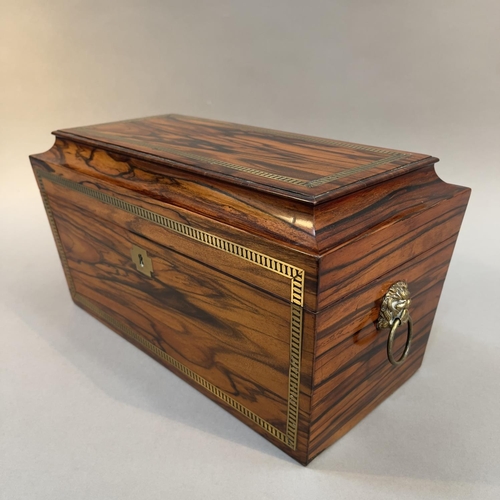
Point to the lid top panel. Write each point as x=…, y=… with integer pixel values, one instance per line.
x=291, y=165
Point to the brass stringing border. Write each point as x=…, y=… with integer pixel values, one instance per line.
x=392, y=156
x=182, y=368
x=295, y=274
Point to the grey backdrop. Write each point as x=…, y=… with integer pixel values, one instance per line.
x=83, y=414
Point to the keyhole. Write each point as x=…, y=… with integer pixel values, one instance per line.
x=141, y=260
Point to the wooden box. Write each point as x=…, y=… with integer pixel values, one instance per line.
x=255, y=264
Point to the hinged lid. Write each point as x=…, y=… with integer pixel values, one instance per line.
x=306, y=168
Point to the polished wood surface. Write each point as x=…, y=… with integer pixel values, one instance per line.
x=254, y=294
x=233, y=335
x=352, y=373
x=293, y=165
x=235, y=266
x=309, y=228
x=360, y=261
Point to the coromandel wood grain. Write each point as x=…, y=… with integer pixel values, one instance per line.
x=291, y=279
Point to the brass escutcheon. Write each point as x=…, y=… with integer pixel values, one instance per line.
x=394, y=312
x=141, y=260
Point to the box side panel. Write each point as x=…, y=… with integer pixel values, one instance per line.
x=368, y=209
x=243, y=347
x=352, y=373
x=400, y=238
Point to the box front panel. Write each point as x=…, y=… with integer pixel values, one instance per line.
x=185, y=231
x=240, y=345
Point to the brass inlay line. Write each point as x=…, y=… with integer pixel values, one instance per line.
x=129, y=332
x=392, y=156
x=360, y=168
x=295, y=274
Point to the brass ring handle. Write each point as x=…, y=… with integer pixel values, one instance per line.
x=390, y=342
x=395, y=312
